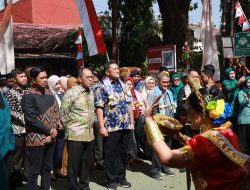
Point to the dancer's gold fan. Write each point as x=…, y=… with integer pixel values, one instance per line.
x=167, y=123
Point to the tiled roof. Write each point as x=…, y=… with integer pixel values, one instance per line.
x=39, y=38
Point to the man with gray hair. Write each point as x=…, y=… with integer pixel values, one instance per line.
x=77, y=116
x=166, y=107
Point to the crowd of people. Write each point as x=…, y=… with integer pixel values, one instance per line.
x=53, y=125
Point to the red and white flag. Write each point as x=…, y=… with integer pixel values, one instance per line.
x=91, y=27
x=7, y=57
x=79, y=56
x=238, y=11
x=210, y=53
x=242, y=17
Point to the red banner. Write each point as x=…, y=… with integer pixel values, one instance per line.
x=162, y=56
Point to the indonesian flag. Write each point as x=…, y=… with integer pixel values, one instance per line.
x=242, y=17
x=79, y=56
x=210, y=53
x=91, y=27
x=238, y=11
x=246, y=26
x=7, y=57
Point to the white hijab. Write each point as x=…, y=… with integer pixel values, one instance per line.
x=52, y=80
x=145, y=91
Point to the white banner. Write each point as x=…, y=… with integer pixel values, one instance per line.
x=210, y=53
x=7, y=57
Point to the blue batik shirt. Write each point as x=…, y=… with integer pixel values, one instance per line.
x=139, y=86
x=116, y=116
x=167, y=106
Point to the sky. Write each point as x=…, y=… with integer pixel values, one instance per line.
x=194, y=16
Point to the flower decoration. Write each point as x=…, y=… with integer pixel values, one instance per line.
x=137, y=104
x=112, y=100
x=170, y=108
x=218, y=111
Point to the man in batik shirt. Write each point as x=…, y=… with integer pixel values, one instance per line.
x=115, y=117
x=14, y=97
x=41, y=114
x=77, y=116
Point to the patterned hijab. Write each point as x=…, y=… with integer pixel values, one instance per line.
x=246, y=89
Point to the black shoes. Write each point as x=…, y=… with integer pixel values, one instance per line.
x=124, y=183
x=111, y=186
x=168, y=173
x=157, y=176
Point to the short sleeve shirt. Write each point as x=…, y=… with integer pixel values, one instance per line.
x=116, y=117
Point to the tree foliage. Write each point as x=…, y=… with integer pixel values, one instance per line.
x=174, y=22
x=138, y=29
x=136, y=22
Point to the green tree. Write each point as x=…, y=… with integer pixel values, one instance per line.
x=136, y=21
x=175, y=22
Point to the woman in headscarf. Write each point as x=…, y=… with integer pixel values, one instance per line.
x=64, y=83
x=139, y=107
x=176, y=85
x=243, y=128
x=68, y=83
x=230, y=88
x=54, y=83
x=72, y=81
x=148, y=87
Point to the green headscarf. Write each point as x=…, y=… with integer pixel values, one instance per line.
x=230, y=89
x=228, y=70
x=175, y=89
x=245, y=88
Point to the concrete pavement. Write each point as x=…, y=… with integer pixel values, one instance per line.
x=139, y=176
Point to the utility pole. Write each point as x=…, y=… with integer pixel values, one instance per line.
x=114, y=30
x=232, y=18
x=224, y=18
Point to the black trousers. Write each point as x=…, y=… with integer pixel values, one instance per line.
x=79, y=163
x=16, y=161
x=19, y=153
x=98, y=149
x=116, y=155
x=157, y=166
x=40, y=159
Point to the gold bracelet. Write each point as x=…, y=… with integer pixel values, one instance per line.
x=153, y=132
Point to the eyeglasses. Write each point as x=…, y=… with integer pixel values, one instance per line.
x=89, y=77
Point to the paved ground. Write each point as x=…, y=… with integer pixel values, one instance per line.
x=139, y=176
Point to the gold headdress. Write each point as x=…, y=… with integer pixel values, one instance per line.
x=195, y=87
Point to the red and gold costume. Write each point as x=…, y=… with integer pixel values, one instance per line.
x=214, y=160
